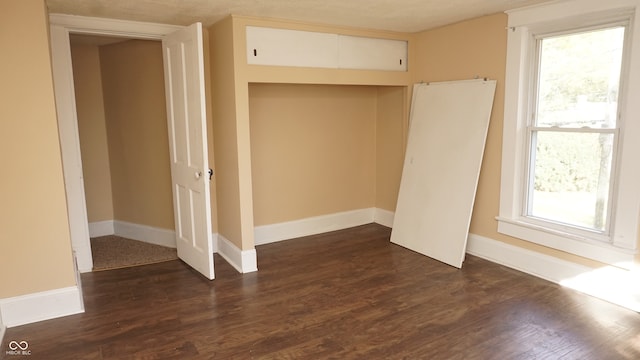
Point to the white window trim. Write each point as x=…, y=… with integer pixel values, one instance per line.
x=523, y=24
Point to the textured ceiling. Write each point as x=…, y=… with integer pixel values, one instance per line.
x=395, y=15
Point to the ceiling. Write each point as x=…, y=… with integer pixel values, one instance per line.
x=394, y=15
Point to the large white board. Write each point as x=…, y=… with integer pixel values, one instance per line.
x=447, y=133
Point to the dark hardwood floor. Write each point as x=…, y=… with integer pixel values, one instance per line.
x=349, y=294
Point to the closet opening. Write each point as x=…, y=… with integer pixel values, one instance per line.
x=332, y=152
x=122, y=126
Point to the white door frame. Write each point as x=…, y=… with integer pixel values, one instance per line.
x=61, y=26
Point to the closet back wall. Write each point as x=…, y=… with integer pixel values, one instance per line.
x=125, y=151
x=313, y=150
x=135, y=109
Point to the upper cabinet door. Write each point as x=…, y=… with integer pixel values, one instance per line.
x=284, y=47
x=269, y=46
x=372, y=54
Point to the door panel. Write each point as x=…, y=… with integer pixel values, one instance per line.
x=186, y=116
x=449, y=123
x=284, y=47
x=372, y=54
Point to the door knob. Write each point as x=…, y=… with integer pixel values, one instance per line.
x=198, y=174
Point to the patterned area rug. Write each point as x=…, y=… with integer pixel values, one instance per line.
x=114, y=252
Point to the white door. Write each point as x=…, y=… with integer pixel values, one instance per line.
x=449, y=123
x=186, y=115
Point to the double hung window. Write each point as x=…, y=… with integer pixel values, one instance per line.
x=570, y=177
x=573, y=131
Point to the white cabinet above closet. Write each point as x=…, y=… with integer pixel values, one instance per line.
x=283, y=47
x=268, y=46
x=371, y=54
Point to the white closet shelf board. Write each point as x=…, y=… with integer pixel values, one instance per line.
x=447, y=134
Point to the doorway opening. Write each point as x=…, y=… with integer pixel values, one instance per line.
x=122, y=127
x=183, y=63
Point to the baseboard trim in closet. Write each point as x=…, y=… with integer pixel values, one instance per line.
x=148, y=234
x=266, y=234
x=101, y=228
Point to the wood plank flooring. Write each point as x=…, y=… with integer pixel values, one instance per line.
x=349, y=294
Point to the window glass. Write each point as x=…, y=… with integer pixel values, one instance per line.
x=579, y=78
x=573, y=137
x=572, y=178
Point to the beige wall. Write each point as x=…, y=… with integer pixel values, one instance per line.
x=463, y=51
x=313, y=150
x=92, y=131
x=323, y=149
x=135, y=111
x=222, y=90
x=391, y=130
x=35, y=245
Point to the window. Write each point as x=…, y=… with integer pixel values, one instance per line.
x=573, y=131
x=569, y=178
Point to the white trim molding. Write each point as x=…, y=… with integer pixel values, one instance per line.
x=383, y=217
x=3, y=329
x=530, y=262
x=30, y=308
x=60, y=28
x=613, y=284
x=591, y=249
x=266, y=234
x=144, y=233
x=112, y=27
x=101, y=228
x=245, y=261
x=214, y=243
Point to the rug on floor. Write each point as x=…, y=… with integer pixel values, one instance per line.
x=114, y=252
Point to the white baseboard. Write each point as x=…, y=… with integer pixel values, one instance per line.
x=148, y=234
x=101, y=228
x=266, y=234
x=244, y=261
x=214, y=245
x=145, y=233
x=3, y=329
x=83, y=257
x=30, y=308
x=531, y=262
x=383, y=217
x=616, y=285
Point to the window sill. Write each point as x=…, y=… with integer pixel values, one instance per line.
x=570, y=243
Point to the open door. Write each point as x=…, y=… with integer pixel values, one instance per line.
x=186, y=115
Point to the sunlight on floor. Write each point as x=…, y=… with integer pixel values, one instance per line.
x=610, y=283
x=632, y=349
